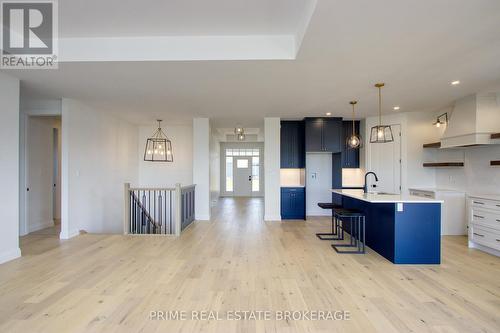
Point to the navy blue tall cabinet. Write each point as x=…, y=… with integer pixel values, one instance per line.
x=293, y=154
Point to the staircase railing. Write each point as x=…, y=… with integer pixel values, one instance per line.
x=158, y=211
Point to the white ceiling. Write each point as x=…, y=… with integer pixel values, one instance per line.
x=416, y=47
x=119, y=18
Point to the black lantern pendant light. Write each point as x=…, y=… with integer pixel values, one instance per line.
x=353, y=141
x=381, y=133
x=158, y=147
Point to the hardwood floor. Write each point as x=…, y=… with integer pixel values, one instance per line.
x=111, y=283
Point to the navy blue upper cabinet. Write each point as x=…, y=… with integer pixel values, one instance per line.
x=323, y=135
x=350, y=156
x=292, y=145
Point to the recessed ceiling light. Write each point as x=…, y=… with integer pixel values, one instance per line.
x=396, y=108
x=328, y=113
x=454, y=83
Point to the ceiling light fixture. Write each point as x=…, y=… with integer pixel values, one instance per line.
x=441, y=120
x=328, y=113
x=454, y=83
x=381, y=133
x=354, y=140
x=240, y=133
x=396, y=108
x=158, y=147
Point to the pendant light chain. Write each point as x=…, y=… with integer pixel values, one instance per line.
x=353, y=126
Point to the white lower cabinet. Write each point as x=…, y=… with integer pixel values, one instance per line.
x=484, y=224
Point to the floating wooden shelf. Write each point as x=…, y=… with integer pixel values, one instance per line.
x=432, y=145
x=495, y=163
x=495, y=136
x=444, y=164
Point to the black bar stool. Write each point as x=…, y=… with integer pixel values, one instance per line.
x=356, y=219
x=334, y=235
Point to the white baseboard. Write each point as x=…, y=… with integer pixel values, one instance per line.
x=322, y=212
x=272, y=217
x=484, y=249
x=202, y=218
x=68, y=235
x=10, y=255
x=40, y=226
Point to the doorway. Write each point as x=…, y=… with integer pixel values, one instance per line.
x=42, y=177
x=386, y=163
x=242, y=169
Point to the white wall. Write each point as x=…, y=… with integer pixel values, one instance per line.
x=100, y=153
x=318, y=183
x=9, y=168
x=215, y=167
x=477, y=176
x=416, y=129
x=167, y=174
x=201, y=167
x=272, y=191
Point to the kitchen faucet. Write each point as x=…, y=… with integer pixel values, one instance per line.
x=365, y=188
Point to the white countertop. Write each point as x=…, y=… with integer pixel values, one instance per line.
x=485, y=196
x=434, y=189
x=291, y=186
x=384, y=198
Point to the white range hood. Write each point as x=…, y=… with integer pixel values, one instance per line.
x=473, y=120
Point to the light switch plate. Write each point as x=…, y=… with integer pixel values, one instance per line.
x=399, y=206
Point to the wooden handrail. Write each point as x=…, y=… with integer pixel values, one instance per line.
x=188, y=187
x=152, y=189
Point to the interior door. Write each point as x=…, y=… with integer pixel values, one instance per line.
x=386, y=163
x=39, y=182
x=242, y=173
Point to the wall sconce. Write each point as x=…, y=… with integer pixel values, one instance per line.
x=441, y=120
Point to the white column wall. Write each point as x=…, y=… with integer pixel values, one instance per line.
x=9, y=168
x=99, y=155
x=272, y=195
x=201, y=167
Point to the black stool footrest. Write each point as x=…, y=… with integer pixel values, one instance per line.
x=356, y=219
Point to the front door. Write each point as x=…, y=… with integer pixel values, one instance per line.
x=242, y=171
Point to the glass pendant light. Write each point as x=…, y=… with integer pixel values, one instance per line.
x=158, y=147
x=240, y=133
x=353, y=141
x=381, y=133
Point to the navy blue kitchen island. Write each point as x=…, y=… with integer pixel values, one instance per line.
x=402, y=228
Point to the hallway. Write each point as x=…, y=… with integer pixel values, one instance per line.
x=111, y=283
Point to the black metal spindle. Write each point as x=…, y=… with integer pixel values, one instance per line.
x=170, y=213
